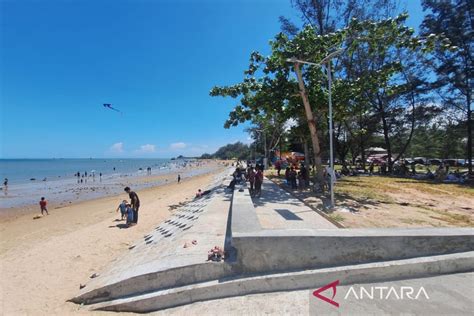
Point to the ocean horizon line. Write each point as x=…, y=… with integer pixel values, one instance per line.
x=93, y=158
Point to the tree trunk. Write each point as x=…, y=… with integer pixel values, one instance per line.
x=306, y=154
x=312, y=127
x=413, y=121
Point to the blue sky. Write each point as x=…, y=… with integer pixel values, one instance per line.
x=154, y=60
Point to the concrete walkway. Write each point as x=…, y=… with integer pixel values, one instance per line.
x=278, y=209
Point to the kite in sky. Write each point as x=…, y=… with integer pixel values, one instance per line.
x=109, y=106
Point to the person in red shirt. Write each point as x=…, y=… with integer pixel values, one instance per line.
x=43, y=204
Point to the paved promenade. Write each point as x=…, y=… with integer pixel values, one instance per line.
x=278, y=209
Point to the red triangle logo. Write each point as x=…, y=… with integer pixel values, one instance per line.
x=324, y=288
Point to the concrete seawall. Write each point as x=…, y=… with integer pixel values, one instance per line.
x=275, y=250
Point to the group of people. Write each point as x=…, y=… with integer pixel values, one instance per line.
x=255, y=178
x=129, y=211
x=297, y=180
x=254, y=175
x=82, y=178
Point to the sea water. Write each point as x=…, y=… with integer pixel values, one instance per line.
x=55, y=178
x=20, y=171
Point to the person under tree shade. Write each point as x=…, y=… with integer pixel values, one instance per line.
x=135, y=203
x=258, y=181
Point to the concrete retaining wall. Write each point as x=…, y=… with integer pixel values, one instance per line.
x=283, y=250
x=264, y=251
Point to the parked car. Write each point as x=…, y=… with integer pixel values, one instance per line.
x=450, y=162
x=420, y=160
x=462, y=162
x=435, y=161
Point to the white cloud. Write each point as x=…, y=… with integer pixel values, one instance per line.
x=178, y=145
x=146, y=149
x=117, y=148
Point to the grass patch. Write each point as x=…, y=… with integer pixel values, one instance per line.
x=336, y=217
x=363, y=189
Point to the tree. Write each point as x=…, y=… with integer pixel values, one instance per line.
x=326, y=16
x=386, y=57
x=453, y=67
x=269, y=89
x=233, y=151
x=206, y=156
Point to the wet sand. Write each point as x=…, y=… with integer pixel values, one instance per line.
x=24, y=198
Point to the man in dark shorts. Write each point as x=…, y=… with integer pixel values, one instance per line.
x=135, y=202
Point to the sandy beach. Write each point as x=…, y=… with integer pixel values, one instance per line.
x=44, y=261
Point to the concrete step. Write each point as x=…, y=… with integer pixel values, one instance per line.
x=308, y=279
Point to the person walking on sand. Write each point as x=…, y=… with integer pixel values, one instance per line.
x=179, y=178
x=123, y=209
x=135, y=203
x=43, y=203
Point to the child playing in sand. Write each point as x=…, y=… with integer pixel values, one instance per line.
x=43, y=204
x=123, y=209
x=129, y=215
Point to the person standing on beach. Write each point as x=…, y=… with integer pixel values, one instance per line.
x=43, y=203
x=135, y=202
x=179, y=178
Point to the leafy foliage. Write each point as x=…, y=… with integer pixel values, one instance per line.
x=453, y=66
x=231, y=151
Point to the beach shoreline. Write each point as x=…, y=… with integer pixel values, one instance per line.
x=45, y=260
x=60, y=194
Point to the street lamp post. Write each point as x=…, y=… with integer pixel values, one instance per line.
x=327, y=63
